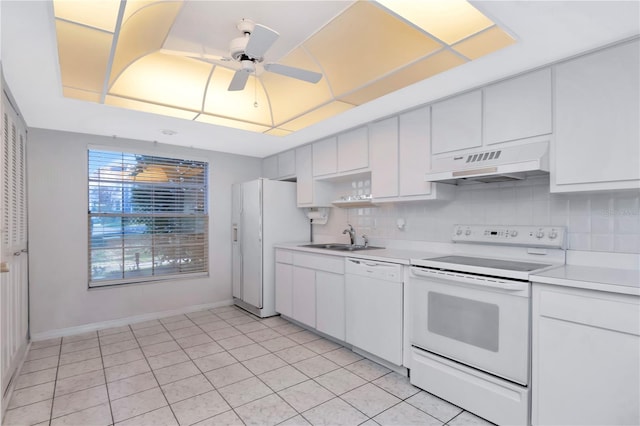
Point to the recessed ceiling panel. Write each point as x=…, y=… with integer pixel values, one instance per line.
x=419, y=71
x=278, y=132
x=237, y=124
x=364, y=43
x=101, y=14
x=143, y=33
x=83, y=54
x=166, y=80
x=250, y=104
x=317, y=115
x=149, y=107
x=484, y=43
x=448, y=20
x=82, y=95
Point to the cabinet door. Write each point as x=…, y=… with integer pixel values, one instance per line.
x=353, y=150
x=330, y=304
x=284, y=288
x=586, y=347
x=325, y=157
x=270, y=167
x=457, y=123
x=414, y=152
x=517, y=108
x=304, y=296
x=383, y=142
x=287, y=163
x=597, y=126
x=305, y=178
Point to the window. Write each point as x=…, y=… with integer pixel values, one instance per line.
x=147, y=218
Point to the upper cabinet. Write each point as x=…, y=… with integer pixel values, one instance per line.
x=280, y=166
x=597, y=133
x=517, y=108
x=400, y=156
x=311, y=193
x=348, y=152
x=457, y=123
x=353, y=150
x=325, y=157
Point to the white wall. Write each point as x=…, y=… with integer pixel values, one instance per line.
x=57, y=179
x=602, y=221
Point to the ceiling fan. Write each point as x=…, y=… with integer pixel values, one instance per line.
x=249, y=50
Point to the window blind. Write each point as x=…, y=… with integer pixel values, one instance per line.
x=148, y=217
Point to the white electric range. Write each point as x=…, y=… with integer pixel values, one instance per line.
x=471, y=328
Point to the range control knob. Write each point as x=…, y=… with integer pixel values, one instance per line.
x=553, y=234
x=459, y=231
x=514, y=233
x=540, y=233
x=467, y=232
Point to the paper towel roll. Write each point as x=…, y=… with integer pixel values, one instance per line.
x=316, y=215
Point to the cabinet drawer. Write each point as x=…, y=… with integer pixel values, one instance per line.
x=283, y=256
x=592, y=308
x=333, y=264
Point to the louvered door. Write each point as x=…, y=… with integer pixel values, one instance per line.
x=13, y=243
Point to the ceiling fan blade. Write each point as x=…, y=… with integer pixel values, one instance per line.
x=298, y=73
x=238, y=81
x=260, y=40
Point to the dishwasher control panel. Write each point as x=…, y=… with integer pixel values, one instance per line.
x=374, y=269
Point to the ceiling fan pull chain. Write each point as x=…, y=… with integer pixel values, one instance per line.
x=255, y=88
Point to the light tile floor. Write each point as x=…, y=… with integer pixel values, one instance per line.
x=216, y=367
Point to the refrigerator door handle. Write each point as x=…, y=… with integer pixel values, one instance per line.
x=234, y=232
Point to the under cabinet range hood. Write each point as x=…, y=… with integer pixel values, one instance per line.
x=491, y=165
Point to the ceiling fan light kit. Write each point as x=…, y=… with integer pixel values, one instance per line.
x=120, y=55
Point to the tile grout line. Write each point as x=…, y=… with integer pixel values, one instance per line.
x=155, y=378
x=106, y=384
x=55, y=383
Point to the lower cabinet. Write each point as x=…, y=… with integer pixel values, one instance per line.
x=330, y=310
x=310, y=289
x=586, y=357
x=304, y=296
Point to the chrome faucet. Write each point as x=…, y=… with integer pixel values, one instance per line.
x=351, y=232
x=366, y=240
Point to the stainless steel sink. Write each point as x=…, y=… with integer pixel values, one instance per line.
x=341, y=247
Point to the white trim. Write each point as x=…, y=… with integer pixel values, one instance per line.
x=70, y=331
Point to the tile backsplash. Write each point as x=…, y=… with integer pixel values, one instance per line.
x=606, y=221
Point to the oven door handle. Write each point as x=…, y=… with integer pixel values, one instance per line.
x=480, y=281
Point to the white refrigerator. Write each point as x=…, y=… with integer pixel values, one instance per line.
x=264, y=213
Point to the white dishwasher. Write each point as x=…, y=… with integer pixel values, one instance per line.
x=374, y=295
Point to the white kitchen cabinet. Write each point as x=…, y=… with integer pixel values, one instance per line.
x=383, y=141
x=456, y=123
x=303, y=296
x=284, y=289
x=310, y=193
x=280, y=166
x=270, y=167
x=517, y=108
x=597, y=131
x=330, y=310
x=353, y=150
x=586, y=352
x=400, y=156
x=325, y=157
x=287, y=164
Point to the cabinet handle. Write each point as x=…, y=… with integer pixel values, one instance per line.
x=17, y=253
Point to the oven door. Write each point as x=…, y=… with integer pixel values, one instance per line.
x=479, y=321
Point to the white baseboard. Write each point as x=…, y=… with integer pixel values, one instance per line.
x=61, y=332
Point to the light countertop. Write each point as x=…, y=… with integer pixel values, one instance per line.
x=613, y=280
x=398, y=256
